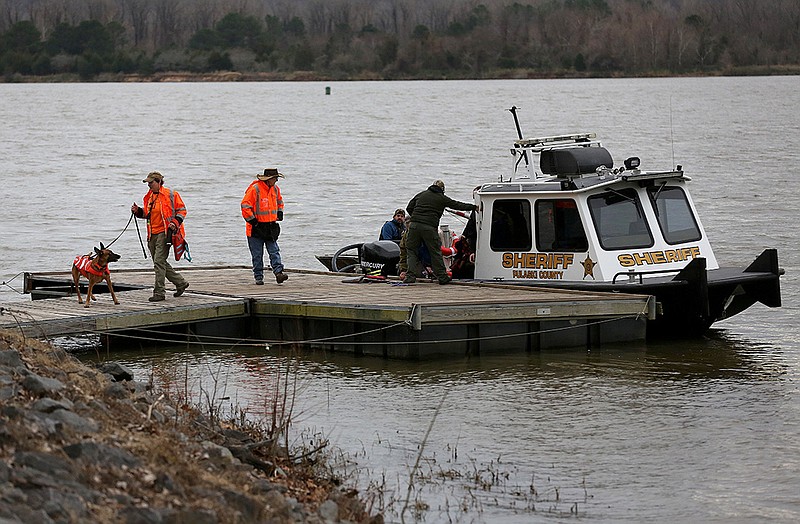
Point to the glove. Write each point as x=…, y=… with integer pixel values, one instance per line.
x=274, y=230
x=280, y=216
x=258, y=230
x=255, y=228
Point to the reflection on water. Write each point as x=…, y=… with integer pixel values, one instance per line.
x=719, y=355
x=610, y=433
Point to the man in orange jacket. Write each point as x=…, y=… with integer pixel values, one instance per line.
x=165, y=211
x=262, y=209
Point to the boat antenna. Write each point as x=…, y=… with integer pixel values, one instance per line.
x=513, y=111
x=671, y=136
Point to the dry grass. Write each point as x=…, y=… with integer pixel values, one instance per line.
x=171, y=441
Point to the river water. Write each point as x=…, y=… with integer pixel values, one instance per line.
x=707, y=430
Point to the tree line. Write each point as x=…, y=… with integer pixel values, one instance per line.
x=388, y=39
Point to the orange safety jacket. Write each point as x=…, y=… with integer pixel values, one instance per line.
x=86, y=265
x=173, y=210
x=262, y=203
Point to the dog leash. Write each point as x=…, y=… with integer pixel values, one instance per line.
x=123, y=230
x=138, y=233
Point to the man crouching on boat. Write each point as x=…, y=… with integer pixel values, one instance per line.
x=427, y=208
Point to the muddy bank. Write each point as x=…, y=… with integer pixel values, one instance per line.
x=80, y=444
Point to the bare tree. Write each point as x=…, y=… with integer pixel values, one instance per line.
x=203, y=14
x=167, y=23
x=137, y=15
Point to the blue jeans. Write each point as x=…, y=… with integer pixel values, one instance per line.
x=256, y=246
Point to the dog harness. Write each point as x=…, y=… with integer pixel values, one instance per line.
x=85, y=265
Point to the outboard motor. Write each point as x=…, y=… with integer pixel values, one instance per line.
x=380, y=251
x=381, y=254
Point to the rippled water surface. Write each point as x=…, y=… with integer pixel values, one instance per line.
x=664, y=432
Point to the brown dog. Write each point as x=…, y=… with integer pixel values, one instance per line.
x=95, y=269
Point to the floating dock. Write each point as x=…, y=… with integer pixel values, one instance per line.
x=319, y=310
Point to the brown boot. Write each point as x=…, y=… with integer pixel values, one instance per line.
x=281, y=277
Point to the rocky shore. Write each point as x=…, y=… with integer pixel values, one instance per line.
x=79, y=444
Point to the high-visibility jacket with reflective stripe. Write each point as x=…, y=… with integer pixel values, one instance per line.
x=85, y=264
x=261, y=202
x=172, y=209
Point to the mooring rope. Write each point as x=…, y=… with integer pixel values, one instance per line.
x=8, y=285
x=236, y=341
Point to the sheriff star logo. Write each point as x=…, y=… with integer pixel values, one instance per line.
x=588, y=267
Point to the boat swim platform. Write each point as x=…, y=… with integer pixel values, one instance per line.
x=320, y=310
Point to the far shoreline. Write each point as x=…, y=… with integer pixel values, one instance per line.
x=312, y=76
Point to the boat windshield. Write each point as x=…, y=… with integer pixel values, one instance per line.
x=619, y=220
x=559, y=226
x=511, y=225
x=675, y=217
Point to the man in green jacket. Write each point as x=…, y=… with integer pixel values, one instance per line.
x=427, y=208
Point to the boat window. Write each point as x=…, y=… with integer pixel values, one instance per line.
x=559, y=227
x=675, y=217
x=619, y=220
x=511, y=225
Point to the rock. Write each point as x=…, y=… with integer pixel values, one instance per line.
x=193, y=516
x=165, y=482
x=329, y=511
x=21, y=513
x=59, y=505
x=239, y=436
x=11, y=359
x=76, y=422
x=249, y=507
x=8, y=387
x=135, y=515
x=217, y=452
x=117, y=371
x=101, y=454
x=117, y=390
x=47, y=463
x=4, y=472
x=42, y=386
x=48, y=405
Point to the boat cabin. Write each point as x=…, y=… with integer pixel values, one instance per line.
x=567, y=214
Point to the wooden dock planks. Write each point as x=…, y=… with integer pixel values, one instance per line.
x=64, y=316
x=229, y=292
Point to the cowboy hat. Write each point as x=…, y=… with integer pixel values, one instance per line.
x=270, y=172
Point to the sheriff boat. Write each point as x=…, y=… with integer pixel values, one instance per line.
x=566, y=217
x=579, y=222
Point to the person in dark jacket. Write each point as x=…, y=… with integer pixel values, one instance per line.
x=394, y=228
x=427, y=208
x=422, y=254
